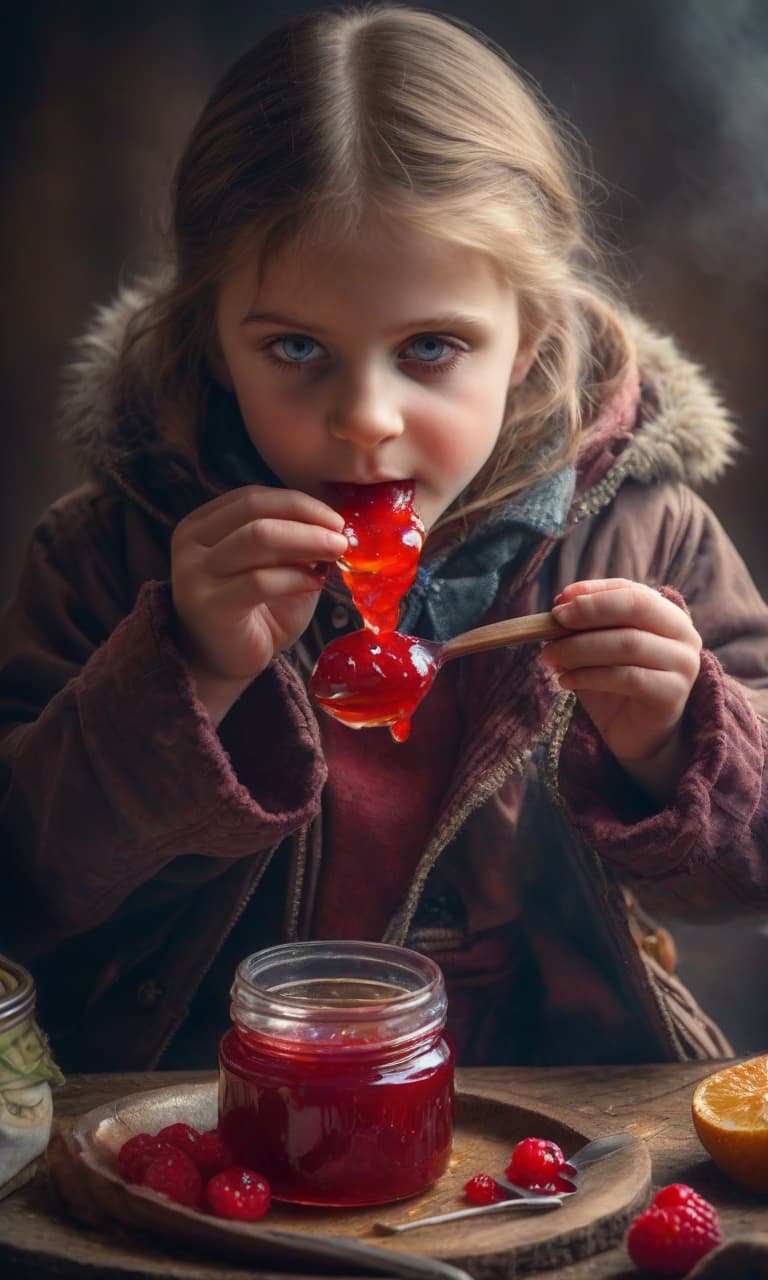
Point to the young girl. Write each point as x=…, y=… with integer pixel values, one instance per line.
x=379, y=272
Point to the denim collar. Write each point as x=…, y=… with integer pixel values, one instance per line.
x=455, y=590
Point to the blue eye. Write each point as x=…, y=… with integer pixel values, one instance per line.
x=297, y=348
x=429, y=348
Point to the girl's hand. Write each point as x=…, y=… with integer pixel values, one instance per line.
x=632, y=662
x=246, y=571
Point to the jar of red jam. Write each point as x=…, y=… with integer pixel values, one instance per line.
x=335, y=1081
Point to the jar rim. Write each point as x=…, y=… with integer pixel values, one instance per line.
x=261, y=1002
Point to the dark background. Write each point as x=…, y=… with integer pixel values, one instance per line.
x=672, y=96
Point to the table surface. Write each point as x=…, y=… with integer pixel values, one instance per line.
x=652, y=1102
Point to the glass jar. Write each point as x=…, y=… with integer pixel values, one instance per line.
x=26, y=1075
x=335, y=1081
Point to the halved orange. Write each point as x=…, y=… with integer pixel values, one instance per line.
x=730, y=1115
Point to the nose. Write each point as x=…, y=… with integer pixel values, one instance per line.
x=365, y=412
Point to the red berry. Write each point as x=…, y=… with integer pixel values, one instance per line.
x=182, y=1136
x=137, y=1152
x=175, y=1176
x=482, y=1189
x=672, y=1235
x=679, y=1193
x=238, y=1193
x=535, y=1164
x=210, y=1154
x=131, y=1151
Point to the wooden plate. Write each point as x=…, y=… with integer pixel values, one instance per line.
x=486, y=1128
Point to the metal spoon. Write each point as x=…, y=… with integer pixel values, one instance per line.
x=499, y=1206
x=367, y=680
x=520, y=1197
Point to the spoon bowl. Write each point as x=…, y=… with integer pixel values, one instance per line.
x=367, y=680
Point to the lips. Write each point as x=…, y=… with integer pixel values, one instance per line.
x=364, y=482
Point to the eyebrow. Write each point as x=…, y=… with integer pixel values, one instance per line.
x=430, y=324
x=268, y=317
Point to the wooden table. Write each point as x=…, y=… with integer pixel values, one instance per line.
x=652, y=1102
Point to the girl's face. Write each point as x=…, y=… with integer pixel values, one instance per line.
x=385, y=360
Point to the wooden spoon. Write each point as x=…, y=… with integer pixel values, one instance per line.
x=533, y=626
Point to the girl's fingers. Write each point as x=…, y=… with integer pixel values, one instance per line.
x=616, y=602
x=642, y=685
x=266, y=542
x=589, y=586
x=621, y=647
x=215, y=520
x=246, y=591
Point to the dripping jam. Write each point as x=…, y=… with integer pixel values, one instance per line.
x=384, y=540
x=376, y=676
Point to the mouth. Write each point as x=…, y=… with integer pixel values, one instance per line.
x=365, y=482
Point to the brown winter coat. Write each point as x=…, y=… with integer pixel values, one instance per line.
x=133, y=833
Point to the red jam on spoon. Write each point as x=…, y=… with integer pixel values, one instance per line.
x=366, y=681
x=385, y=537
x=376, y=676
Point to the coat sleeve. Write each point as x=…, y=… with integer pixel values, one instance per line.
x=706, y=854
x=109, y=765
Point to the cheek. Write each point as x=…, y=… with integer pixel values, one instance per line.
x=265, y=414
x=285, y=436
x=467, y=431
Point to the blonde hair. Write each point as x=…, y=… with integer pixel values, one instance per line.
x=343, y=115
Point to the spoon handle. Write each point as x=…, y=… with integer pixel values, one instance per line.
x=500, y=1206
x=534, y=626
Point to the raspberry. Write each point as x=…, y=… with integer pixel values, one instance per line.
x=238, y=1193
x=679, y=1193
x=211, y=1155
x=182, y=1136
x=535, y=1164
x=482, y=1189
x=137, y=1152
x=175, y=1176
x=678, y=1229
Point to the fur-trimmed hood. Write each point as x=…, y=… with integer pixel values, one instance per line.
x=684, y=433
x=690, y=436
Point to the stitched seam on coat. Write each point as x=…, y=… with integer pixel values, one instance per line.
x=550, y=772
x=397, y=930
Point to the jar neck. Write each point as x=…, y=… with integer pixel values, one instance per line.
x=316, y=999
x=17, y=994
x=338, y=1056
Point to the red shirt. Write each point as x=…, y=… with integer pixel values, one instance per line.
x=379, y=808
